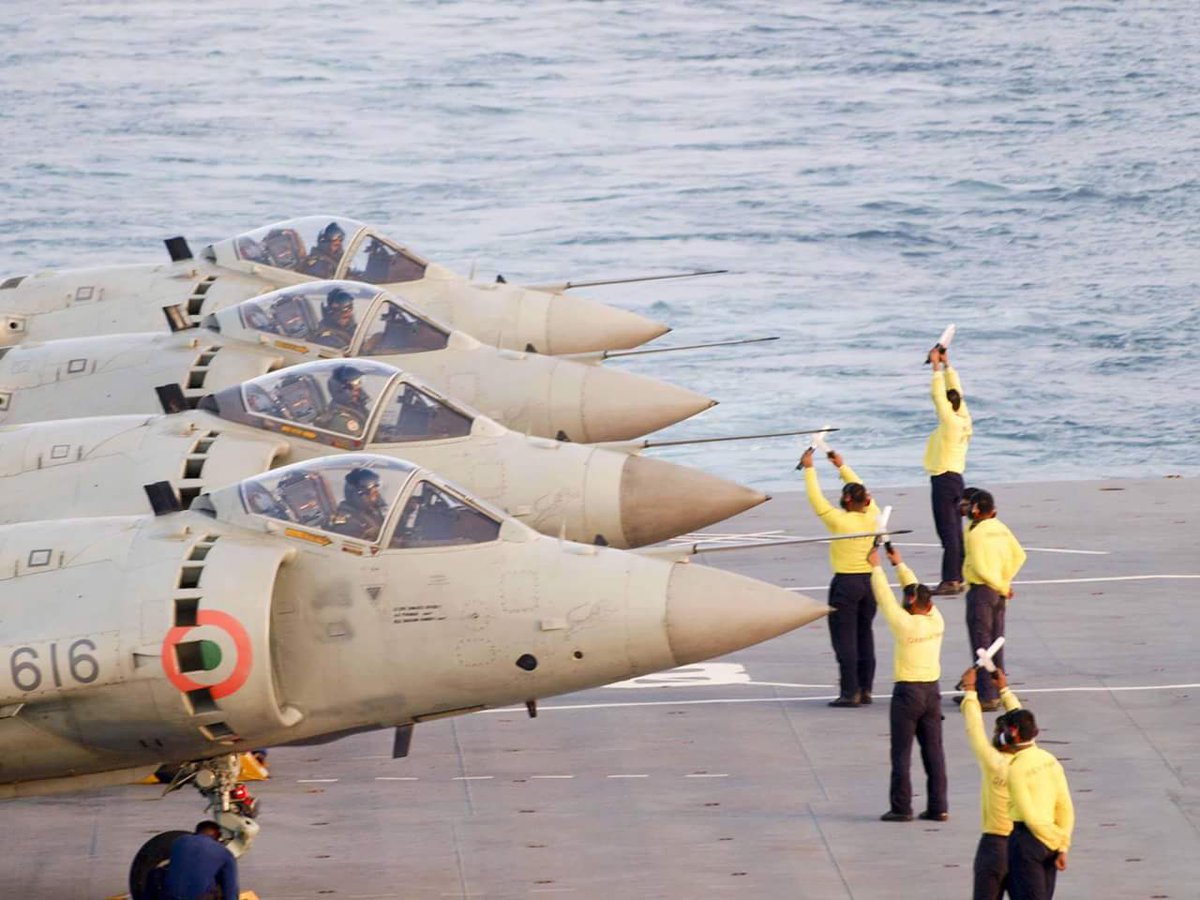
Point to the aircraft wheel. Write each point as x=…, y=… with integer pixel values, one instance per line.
x=147, y=875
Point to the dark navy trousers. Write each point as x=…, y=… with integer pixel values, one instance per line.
x=850, y=631
x=917, y=712
x=946, y=493
x=1031, y=871
x=985, y=622
x=991, y=867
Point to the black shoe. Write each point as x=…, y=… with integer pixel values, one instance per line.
x=948, y=587
x=865, y=698
x=845, y=701
x=890, y=816
x=932, y=816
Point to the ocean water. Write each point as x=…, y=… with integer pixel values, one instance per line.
x=868, y=171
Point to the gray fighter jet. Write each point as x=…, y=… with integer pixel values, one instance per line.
x=540, y=395
x=66, y=303
x=96, y=466
x=328, y=597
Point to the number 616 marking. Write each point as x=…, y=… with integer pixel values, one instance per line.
x=27, y=667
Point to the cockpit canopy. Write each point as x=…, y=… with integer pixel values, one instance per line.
x=348, y=317
x=321, y=247
x=343, y=403
x=376, y=499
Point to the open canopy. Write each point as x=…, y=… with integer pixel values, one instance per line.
x=342, y=403
x=320, y=247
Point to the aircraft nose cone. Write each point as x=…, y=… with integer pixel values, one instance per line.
x=711, y=612
x=620, y=406
x=661, y=500
x=578, y=325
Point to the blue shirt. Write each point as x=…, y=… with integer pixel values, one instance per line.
x=199, y=864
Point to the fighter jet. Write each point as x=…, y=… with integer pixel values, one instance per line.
x=325, y=598
x=79, y=302
x=539, y=395
x=97, y=466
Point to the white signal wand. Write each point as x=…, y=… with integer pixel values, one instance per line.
x=884, y=538
x=983, y=658
x=943, y=343
x=818, y=440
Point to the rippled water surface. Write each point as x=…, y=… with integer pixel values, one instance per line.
x=869, y=171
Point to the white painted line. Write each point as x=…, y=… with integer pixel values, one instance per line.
x=551, y=776
x=788, y=685
x=1034, y=549
x=472, y=777
x=1109, y=578
x=627, y=776
x=315, y=780
x=724, y=700
x=707, y=775
x=1097, y=579
x=396, y=777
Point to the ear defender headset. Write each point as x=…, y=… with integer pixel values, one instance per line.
x=1009, y=727
x=852, y=492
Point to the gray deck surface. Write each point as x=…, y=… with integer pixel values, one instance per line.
x=752, y=789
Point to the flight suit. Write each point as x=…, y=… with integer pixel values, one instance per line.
x=991, y=855
x=916, y=709
x=1043, y=817
x=354, y=521
x=330, y=334
x=993, y=559
x=320, y=263
x=348, y=420
x=945, y=461
x=850, y=595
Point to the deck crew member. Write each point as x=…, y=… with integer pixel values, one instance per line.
x=991, y=856
x=850, y=591
x=200, y=865
x=945, y=460
x=1039, y=804
x=917, y=627
x=993, y=559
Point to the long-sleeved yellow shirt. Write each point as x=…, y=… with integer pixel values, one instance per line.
x=946, y=449
x=848, y=556
x=993, y=556
x=993, y=765
x=918, y=649
x=1038, y=796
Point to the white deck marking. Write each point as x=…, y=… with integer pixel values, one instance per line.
x=1089, y=580
x=698, y=675
x=1035, y=549
x=707, y=775
x=472, y=777
x=551, y=776
x=396, y=777
x=568, y=707
x=315, y=780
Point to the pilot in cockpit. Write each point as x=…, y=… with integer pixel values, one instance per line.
x=337, y=325
x=360, y=514
x=349, y=403
x=323, y=260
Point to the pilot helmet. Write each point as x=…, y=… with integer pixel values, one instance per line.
x=345, y=386
x=337, y=301
x=358, y=487
x=329, y=233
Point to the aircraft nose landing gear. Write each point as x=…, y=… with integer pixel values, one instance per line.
x=231, y=806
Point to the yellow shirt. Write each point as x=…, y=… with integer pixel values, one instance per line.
x=918, y=649
x=946, y=449
x=1039, y=797
x=848, y=556
x=993, y=765
x=993, y=556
